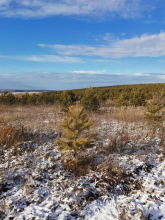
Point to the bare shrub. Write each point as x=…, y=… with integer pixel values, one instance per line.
x=85, y=163
x=111, y=167
x=118, y=142
x=11, y=136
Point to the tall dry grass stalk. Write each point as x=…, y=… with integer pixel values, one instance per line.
x=37, y=118
x=39, y=115
x=126, y=114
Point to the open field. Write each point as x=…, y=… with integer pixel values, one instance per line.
x=121, y=177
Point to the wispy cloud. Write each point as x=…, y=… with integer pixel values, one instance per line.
x=103, y=61
x=57, y=59
x=46, y=58
x=142, y=74
x=162, y=61
x=60, y=81
x=147, y=45
x=42, y=8
x=109, y=37
x=89, y=72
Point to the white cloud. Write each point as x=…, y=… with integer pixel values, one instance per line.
x=89, y=72
x=53, y=59
x=109, y=37
x=42, y=8
x=163, y=61
x=142, y=74
x=46, y=58
x=146, y=45
x=104, y=61
x=56, y=58
x=60, y=81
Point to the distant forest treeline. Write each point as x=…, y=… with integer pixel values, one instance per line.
x=91, y=98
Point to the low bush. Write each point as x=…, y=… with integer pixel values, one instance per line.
x=10, y=136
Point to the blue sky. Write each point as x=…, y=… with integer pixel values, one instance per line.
x=69, y=44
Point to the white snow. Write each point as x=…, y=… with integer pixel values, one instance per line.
x=35, y=185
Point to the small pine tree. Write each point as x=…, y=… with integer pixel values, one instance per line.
x=7, y=98
x=90, y=100
x=138, y=99
x=74, y=139
x=25, y=98
x=122, y=100
x=65, y=101
x=153, y=111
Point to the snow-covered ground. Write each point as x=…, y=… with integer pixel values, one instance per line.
x=127, y=183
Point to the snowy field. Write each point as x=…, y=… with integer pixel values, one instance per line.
x=125, y=181
x=21, y=93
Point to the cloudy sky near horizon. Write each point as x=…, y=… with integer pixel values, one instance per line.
x=70, y=44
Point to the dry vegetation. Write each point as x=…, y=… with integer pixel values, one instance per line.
x=120, y=131
x=20, y=123
x=126, y=114
x=37, y=118
x=43, y=122
x=48, y=117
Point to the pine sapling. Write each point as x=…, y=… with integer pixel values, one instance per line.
x=154, y=108
x=75, y=139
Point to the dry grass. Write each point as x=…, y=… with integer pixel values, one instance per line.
x=48, y=116
x=13, y=137
x=126, y=114
x=44, y=119
x=37, y=118
x=18, y=120
x=27, y=123
x=10, y=134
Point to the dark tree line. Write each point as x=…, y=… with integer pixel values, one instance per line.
x=90, y=98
